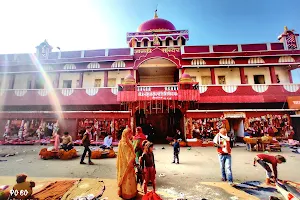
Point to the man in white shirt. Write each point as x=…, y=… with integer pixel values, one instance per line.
x=107, y=142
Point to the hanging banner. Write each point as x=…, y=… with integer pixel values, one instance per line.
x=157, y=95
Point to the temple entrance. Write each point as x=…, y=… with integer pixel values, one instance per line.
x=164, y=124
x=157, y=70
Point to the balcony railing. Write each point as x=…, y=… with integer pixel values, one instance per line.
x=98, y=96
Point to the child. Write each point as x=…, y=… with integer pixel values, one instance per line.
x=176, y=147
x=264, y=159
x=148, y=166
x=139, y=172
x=24, y=185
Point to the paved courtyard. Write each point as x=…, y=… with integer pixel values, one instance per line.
x=198, y=175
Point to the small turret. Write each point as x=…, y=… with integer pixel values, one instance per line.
x=43, y=50
x=289, y=38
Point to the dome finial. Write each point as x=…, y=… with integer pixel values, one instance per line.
x=155, y=13
x=286, y=28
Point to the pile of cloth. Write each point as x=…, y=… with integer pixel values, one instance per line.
x=60, y=154
x=55, y=190
x=99, y=153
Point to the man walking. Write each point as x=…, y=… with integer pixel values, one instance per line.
x=86, y=143
x=222, y=142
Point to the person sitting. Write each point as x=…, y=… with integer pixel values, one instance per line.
x=67, y=142
x=107, y=142
x=23, y=185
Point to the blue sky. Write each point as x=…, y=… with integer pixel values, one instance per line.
x=84, y=24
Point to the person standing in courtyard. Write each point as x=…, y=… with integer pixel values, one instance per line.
x=264, y=159
x=86, y=141
x=222, y=142
x=127, y=185
x=137, y=142
x=176, y=150
x=148, y=166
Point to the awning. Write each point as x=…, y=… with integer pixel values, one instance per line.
x=65, y=114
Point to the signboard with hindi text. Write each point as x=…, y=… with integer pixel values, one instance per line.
x=294, y=102
x=157, y=95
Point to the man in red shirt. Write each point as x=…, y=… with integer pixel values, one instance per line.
x=264, y=159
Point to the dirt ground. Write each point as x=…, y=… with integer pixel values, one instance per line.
x=197, y=176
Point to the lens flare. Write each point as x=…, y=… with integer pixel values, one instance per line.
x=49, y=87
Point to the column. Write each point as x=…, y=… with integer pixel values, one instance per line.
x=33, y=81
x=290, y=76
x=273, y=75
x=12, y=81
x=80, y=80
x=56, y=82
x=213, y=76
x=105, y=78
x=242, y=75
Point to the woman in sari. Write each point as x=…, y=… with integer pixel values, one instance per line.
x=127, y=186
x=137, y=143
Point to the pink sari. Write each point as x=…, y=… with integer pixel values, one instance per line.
x=56, y=142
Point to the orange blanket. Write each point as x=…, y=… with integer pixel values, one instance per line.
x=54, y=190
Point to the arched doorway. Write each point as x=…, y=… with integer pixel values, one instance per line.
x=157, y=70
x=164, y=122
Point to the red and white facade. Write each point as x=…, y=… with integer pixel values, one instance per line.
x=159, y=78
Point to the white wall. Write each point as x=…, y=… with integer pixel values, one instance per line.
x=251, y=71
x=283, y=74
x=89, y=79
x=69, y=76
x=5, y=80
x=157, y=79
x=232, y=75
x=21, y=81
x=118, y=75
x=198, y=73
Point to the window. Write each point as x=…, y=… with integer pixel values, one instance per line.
x=111, y=82
x=39, y=84
x=246, y=80
x=168, y=42
x=194, y=78
x=152, y=44
x=206, y=80
x=277, y=77
x=145, y=43
x=138, y=44
x=259, y=79
x=67, y=84
x=175, y=42
x=97, y=83
x=29, y=84
x=183, y=41
x=221, y=80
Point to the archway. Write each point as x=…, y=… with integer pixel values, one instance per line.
x=164, y=123
x=158, y=70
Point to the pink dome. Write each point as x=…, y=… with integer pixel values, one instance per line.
x=184, y=75
x=156, y=24
x=129, y=77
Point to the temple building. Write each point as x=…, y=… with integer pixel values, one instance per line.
x=159, y=79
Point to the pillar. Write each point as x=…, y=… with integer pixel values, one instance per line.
x=12, y=81
x=273, y=75
x=290, y=76
x=213, y=76
x=56, y=83
x=242, y=75
x=105, y=78
x=80, y=80
x=33, y=81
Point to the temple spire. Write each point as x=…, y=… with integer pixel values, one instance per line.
x=286, y=28
x=155, y=13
